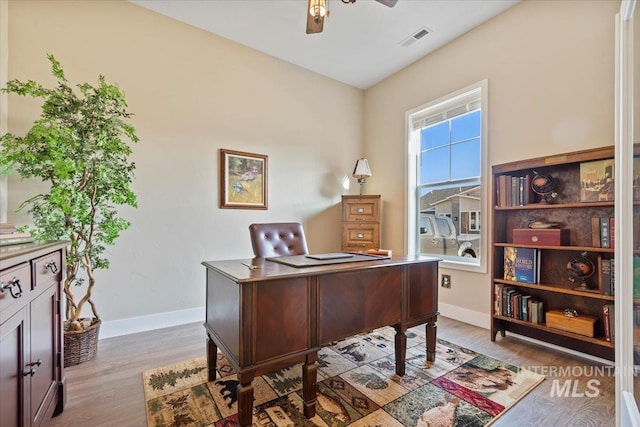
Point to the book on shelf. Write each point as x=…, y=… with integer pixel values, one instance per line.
x=612, y=232
x=521, y=264
x=537, y=312
x=608, y=318
x=524, y=308
x=528, y=191
x=595, y=232
x=605, y=236
x=514, y=190
x=613, y=276
x=510, y=302
x=501, y=186
x=602, y=232
x=515, y=305
x=507, y=191
x=515, y=186
x=605, y=276
x=507, y=292
x=597, y=181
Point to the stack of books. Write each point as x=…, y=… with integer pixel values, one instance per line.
x=509, y=302
x=9, y=235
x=514, y=190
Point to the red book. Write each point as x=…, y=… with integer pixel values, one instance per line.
x=612, y=233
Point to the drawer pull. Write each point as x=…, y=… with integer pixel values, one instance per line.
x=51, y=265
x=31, y=372
x=38, y=363
x=360, y=210
x=12, y=283
x=360, y=236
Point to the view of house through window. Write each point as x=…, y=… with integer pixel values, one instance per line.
x=447, y=142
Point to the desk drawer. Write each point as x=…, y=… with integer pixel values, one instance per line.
x=17, y=284
x=46, y=269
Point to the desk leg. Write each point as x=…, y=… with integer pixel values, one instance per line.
x=245, y=399
x=212, y=358
x=401, y=349
x=431, y=341
x=309, y=378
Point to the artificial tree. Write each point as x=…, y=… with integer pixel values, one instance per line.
x=80, y=146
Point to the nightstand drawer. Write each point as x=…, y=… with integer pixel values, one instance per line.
x=361, y=209
x=16, y=285
x=360, y=235
x=46, y=269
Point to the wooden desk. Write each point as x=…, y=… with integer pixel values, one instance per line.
x=275, y=315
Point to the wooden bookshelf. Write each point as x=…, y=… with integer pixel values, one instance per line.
x=571, y=210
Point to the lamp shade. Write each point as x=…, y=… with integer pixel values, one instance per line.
x=362, y=169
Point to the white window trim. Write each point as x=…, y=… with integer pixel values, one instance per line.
x=411, y=180
x=479, y=228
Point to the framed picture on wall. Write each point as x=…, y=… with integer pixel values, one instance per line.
x=243, y=180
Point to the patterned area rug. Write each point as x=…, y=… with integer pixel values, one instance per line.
x=357, y=386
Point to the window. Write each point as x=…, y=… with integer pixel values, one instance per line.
x=474, y=221
x=446, y=146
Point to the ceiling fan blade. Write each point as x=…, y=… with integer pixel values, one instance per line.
x=313, y=27
x=389, y=3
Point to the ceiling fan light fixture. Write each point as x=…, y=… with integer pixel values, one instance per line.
x=317, y=9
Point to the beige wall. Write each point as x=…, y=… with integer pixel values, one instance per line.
x=550, y=71
x=550, y=67
x=192, y=93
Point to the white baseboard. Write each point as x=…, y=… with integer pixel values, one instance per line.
x=476, y=318
x=133, y=325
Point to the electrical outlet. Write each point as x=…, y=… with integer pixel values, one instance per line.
x=445, y=281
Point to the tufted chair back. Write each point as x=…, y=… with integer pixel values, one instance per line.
x=278, y=239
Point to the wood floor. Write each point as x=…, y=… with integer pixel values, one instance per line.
x=107, y=391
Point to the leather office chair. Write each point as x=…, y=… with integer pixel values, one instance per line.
x=278, y=239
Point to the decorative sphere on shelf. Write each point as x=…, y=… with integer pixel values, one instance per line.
x=544, y=186
x=579, y=269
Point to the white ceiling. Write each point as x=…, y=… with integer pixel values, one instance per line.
x=360, y=44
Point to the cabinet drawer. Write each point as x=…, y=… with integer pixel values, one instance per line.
x=361, y=235
x=361, y=209
x=46, y=269
x=18, y=283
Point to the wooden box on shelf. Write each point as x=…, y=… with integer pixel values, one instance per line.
x=581, y=324
x=541, y=236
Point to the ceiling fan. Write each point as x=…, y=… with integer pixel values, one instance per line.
x=318, y=9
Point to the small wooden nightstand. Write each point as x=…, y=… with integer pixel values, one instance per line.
x=360, y=223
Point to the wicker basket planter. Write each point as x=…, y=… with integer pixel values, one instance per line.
x=81, y=346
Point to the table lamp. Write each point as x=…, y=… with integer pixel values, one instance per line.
x=362, y=172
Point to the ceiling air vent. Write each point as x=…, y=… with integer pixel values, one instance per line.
x=415, y=37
